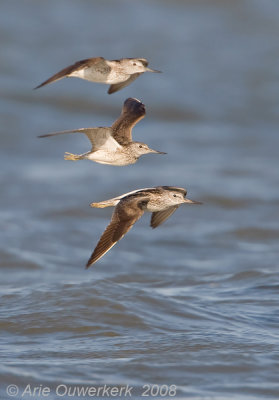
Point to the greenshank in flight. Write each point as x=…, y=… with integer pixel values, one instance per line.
x=114, y=145
x=116, y=73
x=161, y=201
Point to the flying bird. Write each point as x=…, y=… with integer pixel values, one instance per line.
x=161, y=201
x=116, y=73
x=114, y=145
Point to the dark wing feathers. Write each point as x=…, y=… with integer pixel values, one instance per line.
x=126, y=213
x=159, y=217
x=133, y=111
x=105, y=243
x=70, y=69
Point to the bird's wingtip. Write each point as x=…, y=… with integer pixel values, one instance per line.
x=88, y=264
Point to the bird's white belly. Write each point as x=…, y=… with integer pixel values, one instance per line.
x=114, y=158
x=93, y=75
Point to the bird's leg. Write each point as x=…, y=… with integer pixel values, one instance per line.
x=72, y=157
x=105, y=203
x=75, y=157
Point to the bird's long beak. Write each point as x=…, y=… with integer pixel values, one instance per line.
x=157, y=152
x=188, y=201
x=152, y=70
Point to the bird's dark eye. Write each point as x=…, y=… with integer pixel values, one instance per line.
x=140, y=146
x=174, y=195
x=134, y=63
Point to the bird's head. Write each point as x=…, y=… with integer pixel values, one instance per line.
x=177, y=196
x=138, y=65
x=140, y=149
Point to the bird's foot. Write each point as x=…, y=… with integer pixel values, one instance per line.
x=97, y=205
x=72, y=157
x=102, y=204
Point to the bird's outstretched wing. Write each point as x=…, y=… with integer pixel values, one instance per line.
x=87, y=63
x=133, y=111
x=126, y=213
x=118, y=86
x=159, y=217
x=99, y=137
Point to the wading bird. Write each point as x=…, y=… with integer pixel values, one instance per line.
x=116, y=73
x=161, y=201
x=114, y=145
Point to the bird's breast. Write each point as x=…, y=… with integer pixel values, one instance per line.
x=99, y=75
x=156, y=205
x=116, y=158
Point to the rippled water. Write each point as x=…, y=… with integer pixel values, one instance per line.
x=193, y=303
